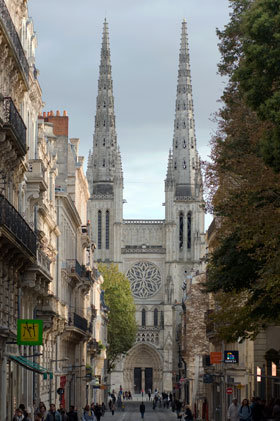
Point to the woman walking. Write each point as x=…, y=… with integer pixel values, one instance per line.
x=245, y=412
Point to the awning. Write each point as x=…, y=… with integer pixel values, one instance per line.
x=32, y=366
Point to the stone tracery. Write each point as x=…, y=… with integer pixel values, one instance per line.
x=145, y=279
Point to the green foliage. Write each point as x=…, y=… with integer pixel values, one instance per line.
x=244, y=176
x=122, y=326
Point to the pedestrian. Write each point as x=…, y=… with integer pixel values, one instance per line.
x=257, y=410
x=97, y=412
x=53, y=414
x=113, y=408
x=188, y=414
x=18, y=415
x=27, y=416
x=142, y=409
x=88, y=414
x=41, y=410
x=233, y=409
x=276, y=410
x=149, y=394
x=72, y=414
x=103, y=408
x=245, y=412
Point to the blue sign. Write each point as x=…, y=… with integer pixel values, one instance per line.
x=231, y=357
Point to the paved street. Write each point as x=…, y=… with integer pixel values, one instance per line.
x=132, y=413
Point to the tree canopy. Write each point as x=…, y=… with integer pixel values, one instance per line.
x=243, y=177
x=122, y=326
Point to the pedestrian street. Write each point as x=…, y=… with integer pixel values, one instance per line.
x=132, y=413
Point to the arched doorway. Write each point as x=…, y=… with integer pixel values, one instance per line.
x=142, y=369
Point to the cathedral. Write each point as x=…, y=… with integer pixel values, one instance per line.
x=157, y=256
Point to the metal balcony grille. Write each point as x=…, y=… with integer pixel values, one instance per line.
x=14, y=222
x=80, y=322
x=14, y=122
x=7, y=26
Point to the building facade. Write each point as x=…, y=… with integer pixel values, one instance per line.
x=155, y=255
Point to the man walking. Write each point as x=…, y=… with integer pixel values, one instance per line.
x=53, y=415
x=142, y=409
x=232, y=413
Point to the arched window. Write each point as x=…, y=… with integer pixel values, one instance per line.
x=176, y=143
x=103, y=163
x=99, y=228
x=181, y=230
x=104, y=123
x=104, y=141
x=143, y=317
x=184, y=144
x=184, y=165
x=189, y=230
x=175, y=165
x=155, y=317
x=107, y=229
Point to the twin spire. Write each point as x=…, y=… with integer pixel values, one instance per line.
x=104, y=164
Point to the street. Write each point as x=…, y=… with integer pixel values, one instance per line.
x=132, y=413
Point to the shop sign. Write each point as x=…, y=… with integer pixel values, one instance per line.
x=231, y=357
x=215, y=357
x=29, y=332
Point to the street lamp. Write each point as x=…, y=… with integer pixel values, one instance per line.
x=50, y=390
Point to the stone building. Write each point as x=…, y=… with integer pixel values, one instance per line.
x=154, y=254
x=46, y=259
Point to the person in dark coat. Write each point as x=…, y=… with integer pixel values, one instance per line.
x=98, y=412
x=142, y=409
x=72, y=415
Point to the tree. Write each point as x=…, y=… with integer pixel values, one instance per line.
x=244, y=182
x=122, y=326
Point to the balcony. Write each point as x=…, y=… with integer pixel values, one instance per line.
x=13, y=125
x=7, y=26
x=74, y=268
x=13, y=223
x=76, y=328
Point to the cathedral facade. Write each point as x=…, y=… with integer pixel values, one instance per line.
x=155, y=255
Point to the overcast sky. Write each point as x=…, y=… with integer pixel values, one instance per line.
x=145, y=40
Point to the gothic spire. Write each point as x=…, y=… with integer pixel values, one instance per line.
x=184, y=142
x=102, y=167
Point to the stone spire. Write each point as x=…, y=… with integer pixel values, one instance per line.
x=105, y=155
x=185, y=156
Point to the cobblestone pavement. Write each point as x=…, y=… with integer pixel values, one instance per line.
x=131, y=413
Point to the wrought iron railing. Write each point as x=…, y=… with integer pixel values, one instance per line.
x=14, y=222
x=74, y=266
x=13, y=121
x=80, y=322
x=9, y=29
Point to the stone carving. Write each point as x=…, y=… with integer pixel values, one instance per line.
x=145, y=279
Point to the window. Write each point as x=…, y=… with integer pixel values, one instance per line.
x=184, y=165
x=185, y=106
x=189, y=230
x=107, y=229
x=155, y=317
x=104, y=141
x=184, y=124
x=181, y=230
x=184, y=144
x=177, y=125
x=103, y=163
x=143, y=317
x=99, y=228
x=175, y=165
x=104, y=123
x=104, y=104
x=176, y=143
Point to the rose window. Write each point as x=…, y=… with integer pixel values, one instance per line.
x=145, y=279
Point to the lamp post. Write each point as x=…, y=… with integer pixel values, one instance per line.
x=50, y=390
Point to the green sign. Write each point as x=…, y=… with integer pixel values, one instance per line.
x=29, y=332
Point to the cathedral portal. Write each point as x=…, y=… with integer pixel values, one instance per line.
x=142, y=369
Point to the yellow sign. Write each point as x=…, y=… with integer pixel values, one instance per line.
x=30, y=332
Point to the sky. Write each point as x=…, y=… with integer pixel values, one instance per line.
x=145, y=41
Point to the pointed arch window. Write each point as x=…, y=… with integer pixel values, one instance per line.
x=104, y=123
x=176, y=143
x=189, y=230
x=177, y=125
x=184, y=144
x=191, y=124
x=155, y=317
x=103, y=164
x=181, y=230
x=184, y=124
x=175, y=165
x=104, y=141
x=107, y=229
x=104, y=104
x=178, y=106
x=184, y=165
x=99, y=228
x=185, y=106
x=143, y=317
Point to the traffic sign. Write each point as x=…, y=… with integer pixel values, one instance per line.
x=60, y=391
x=229, y=390
x=29, y=332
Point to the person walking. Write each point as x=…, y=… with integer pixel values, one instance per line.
x=18, y=415
x=88, y=414
x=276, y=410
x=113, y=408
x=233, y=410
x=142, y=409
x=97, y=412
x=53, y=414
x=72, y=414
x=245, y=412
